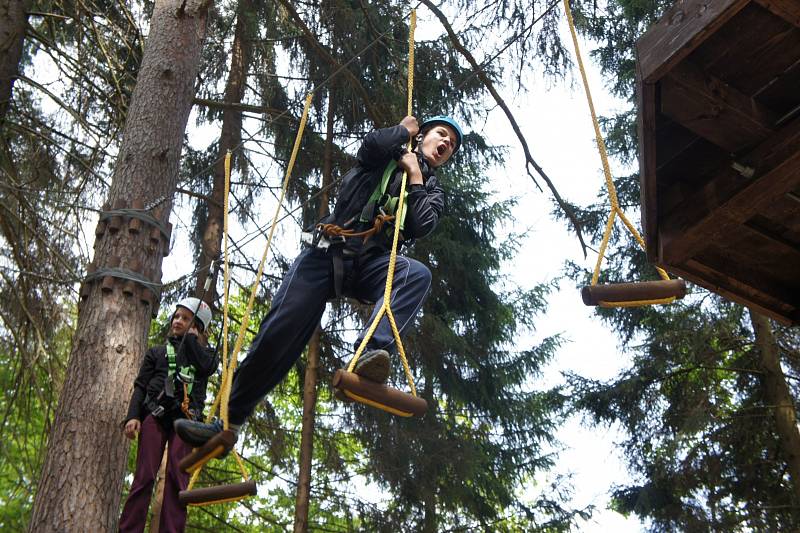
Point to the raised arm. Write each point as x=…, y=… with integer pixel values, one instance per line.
x=380, y=146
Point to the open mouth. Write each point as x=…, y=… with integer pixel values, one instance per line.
x=441, y=149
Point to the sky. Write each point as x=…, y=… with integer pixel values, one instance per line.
x=557, y=126
x=556, y=123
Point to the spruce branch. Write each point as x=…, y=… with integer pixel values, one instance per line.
x=529, y=160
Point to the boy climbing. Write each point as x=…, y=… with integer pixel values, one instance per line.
x=348, y=254
x=171, y=385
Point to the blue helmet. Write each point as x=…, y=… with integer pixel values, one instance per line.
x=447, y=121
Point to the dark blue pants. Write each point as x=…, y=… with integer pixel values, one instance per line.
x=298, y=306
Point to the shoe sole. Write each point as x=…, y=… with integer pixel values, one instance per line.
x=217, y=446
x=376, y=369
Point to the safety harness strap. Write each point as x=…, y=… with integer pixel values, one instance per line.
x=185, y=374
x=337, y=256
x=384, y=202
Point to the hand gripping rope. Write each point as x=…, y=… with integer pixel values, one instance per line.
x=621, y=294
x=224, y=441
x=360, y=390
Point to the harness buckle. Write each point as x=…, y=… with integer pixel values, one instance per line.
x=185, y=377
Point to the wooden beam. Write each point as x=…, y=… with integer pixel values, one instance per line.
x=789, y=10
x=673, y=140
x=784, y=246
x=683, y=28
x=729, y=199
x=646, y=129
x=737, y=266
x=713, y=109
x=717, y=282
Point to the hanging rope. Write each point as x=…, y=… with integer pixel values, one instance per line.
x=229, y=364
x=612, y=191
x=387, y=293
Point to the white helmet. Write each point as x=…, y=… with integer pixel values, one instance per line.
x=200, y=309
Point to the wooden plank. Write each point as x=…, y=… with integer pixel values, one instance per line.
x=785, y=239
x=781, y=94
x=646, y=128
x=673, y=140
x=713, y=109
x=679, y=31
x=767, y=253
x=750, y=50
x=788, y=10
x=729, y=199
x=727, y=288
x=739, y=265
x=689, y=173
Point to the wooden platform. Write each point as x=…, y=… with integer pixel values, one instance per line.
x=718, y=86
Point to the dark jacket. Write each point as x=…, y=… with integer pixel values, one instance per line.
x=426, y=203
x=153, y=374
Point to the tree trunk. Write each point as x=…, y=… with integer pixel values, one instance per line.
x=81, y=479
x=13, y=23
x=158, y=497
x=302, y=499
x=778, y=394
x=430, y=522
x=230, y=137
x=307, y=436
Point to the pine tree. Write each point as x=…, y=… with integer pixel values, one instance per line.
x=82, y=474
x=705, y=403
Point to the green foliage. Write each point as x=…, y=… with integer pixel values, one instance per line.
x=488, y=425
x=701, y=442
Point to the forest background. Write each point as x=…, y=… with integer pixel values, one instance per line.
x=106, y=140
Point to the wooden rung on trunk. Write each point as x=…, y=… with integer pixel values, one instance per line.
x=379, y=395
x=218, y=445
x=633, y=292
x=218, y=494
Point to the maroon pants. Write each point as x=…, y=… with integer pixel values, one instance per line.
x=152, y=439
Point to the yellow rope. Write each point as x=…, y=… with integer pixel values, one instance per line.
x=377, y=405
x=387, y=293
x=226, y=385
x=225, y=284
x=612, y=191
x=228, y=368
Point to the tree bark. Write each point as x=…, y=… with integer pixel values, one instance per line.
x=13, y=23
x=81, y=480
x=778, y=395
x=230, y=137
x=302, y=499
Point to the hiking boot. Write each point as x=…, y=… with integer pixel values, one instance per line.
x=374, y=366
x=196, y=433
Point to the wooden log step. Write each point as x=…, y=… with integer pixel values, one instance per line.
x=115, y=221
x=633, y=292
x=218, y=494
x=167, y=239
x=107, y=283
x=379, y=395
x=135, y=224
x=155, y=233
x=218, y=445
x=131, y=288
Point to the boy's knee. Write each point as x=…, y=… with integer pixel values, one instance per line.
x=420, y=273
